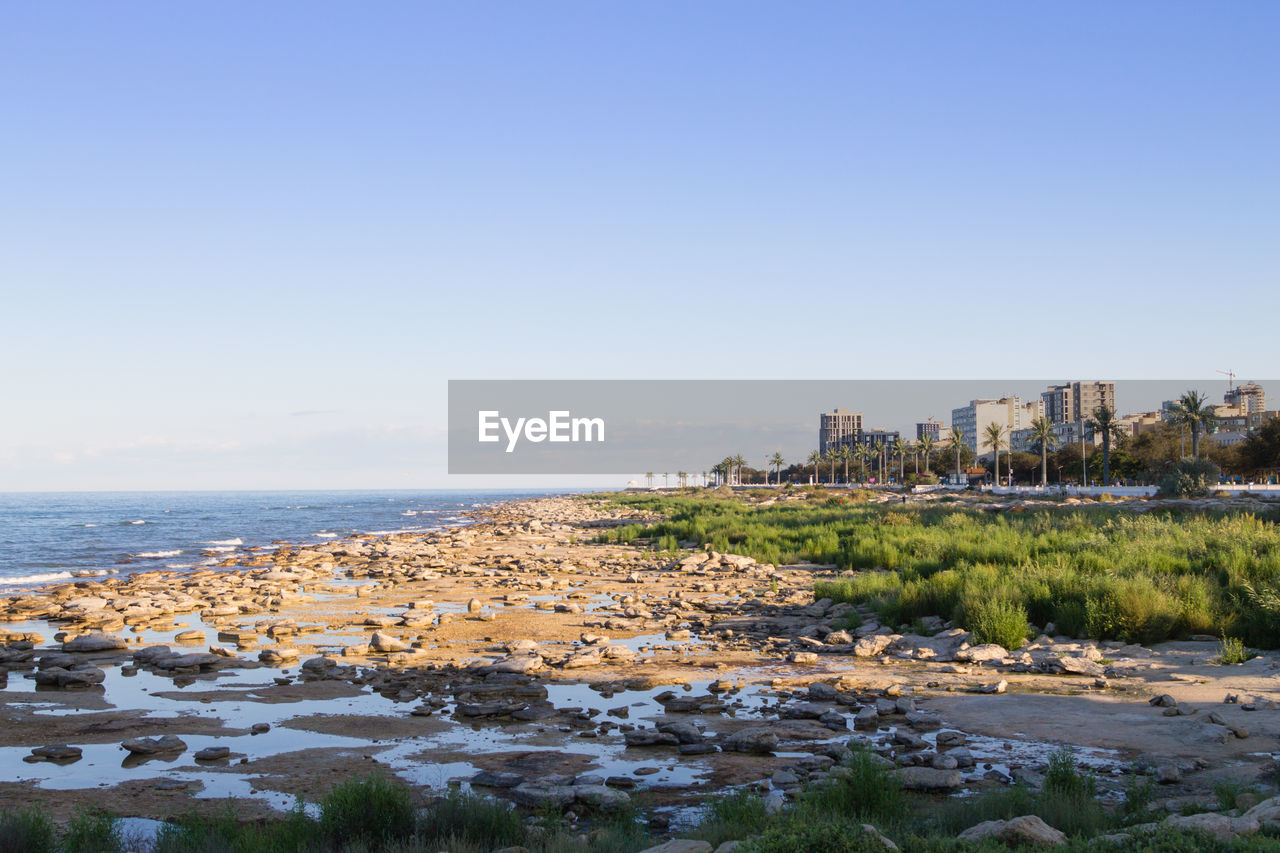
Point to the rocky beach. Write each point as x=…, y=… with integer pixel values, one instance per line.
x=521, y=657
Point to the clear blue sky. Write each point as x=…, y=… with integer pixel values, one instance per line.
x=246, y=244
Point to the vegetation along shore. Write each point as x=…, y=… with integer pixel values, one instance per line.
x=789, y=669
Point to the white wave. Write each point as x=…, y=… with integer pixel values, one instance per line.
x=38, y=578
x=179, y=565
x=91, y=573
x=222, y=549
x=154, y=554
x=409, y=512
x=86, y=525
x=323, y=534
x=135, y=522
x=225, y=542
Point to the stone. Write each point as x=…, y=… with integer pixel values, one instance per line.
x=535, y=795
x=869, y=647
x=1168, y=774
x=474, y=606
x=999, y=687
x=680, y=845
x=1164, y=700
x=805, y=658
x=154, y=746
x=820, y=692
x=929, y=779
x=382, y=642
x=1218, y=826
x=193, y=636
x=57, y=752
x=1077, y=666
x=213, y=753
x=982, y=653
x=756, y=739
x=95, y=641
x=1026, y=830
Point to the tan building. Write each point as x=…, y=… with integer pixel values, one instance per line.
x=1076, y=401
x=1137, y=424
x=838, y=428
x=1249, y=398
x=1010, y=412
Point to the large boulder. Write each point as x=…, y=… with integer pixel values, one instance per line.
x=95, y=641
x=1027, y=830
x=756, y=739
x=154, y=745
x=929, y=778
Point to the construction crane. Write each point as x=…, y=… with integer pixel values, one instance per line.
x=1230, y=374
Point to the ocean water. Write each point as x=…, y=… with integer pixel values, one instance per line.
x=48, y=537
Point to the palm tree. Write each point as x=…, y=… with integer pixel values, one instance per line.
x=833, y=456
x=995, y=437
x=704, y=478
x=648, y=476
x=815, y=459
x=1193, y=410
x=926, y=447
x=777, y=462
x=915, y=456
x=957, y=442
x=863, y=454
x=665, y=475
x=1104, y=421
x=1042, y=434
x=738, y=463
x=682, y=477
x=899, y=449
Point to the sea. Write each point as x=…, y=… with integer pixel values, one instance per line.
x=52, y=537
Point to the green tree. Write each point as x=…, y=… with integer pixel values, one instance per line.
x=994, y=438
x=957, y=444
x=898, y=448
x=1042, y=434
x=1194, y=411
x=815, y=459
x=777, y=462
x=648, y=476
x=863, y=454
x=1104, y=422
x=925, y=444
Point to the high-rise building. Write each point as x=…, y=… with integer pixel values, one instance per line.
x=1249, y=398
x=838, y=428
x=1010, y=412
x=931, y=428
x=1076, y=401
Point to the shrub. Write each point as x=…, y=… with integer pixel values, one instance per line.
x=997, y=620
x=1190, y=478
x=869, y=792
x=373, y=810
x=737, y=815
x=26, y=831
x=1232, y=651
x=91, y=831
x=470, y=818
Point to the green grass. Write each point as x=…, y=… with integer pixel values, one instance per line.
x=1095, y=571
x=26, y=831
x=373, y=810
x=1232, y=651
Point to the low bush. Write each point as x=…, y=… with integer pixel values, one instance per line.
x=26, y=831
x=373, y=810
x=1190, y=478
x=999, y=621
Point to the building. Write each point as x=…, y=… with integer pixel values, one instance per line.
x=877, y=439
x=1076, y=401
x=1010, y=412
x=1064, y=434
x=838, y=428
x=931, y=428
x=1137, y=424
x=1249, y=398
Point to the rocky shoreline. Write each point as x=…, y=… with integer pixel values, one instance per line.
x=524, y=658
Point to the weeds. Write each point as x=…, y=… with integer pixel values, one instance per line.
x=1232, y=651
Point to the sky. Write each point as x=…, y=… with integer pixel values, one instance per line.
x=246, y=245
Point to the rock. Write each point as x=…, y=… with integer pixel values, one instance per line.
x=600, y=797
x=866, y=718
x=521, y=664
x=929, y=779
x=680, y=845
x=805, y=658
x=496, y=779
x=57, y=752
x=650, y=737
x=873, y=840
x=982, y=653
x=56, y=676
x=820, y=692
x=278, y=655
x=1028, y=829
x=536, y=795
x=755, y=739
x=260, y=728
x=381, y=642
x=213, y=753
x=838, y=638
x=999, y=687
x=95, y=641
x=474, y=606
x=1168, y=774
x=154, y=746
x=869, y=647
x=1077, y=666
x=1219, y=826
x=1164, y=700
x=193, y=636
